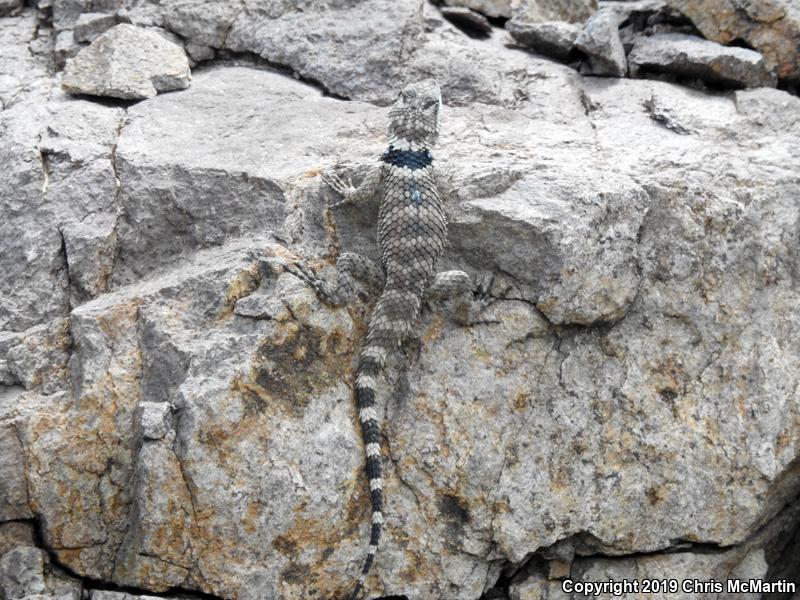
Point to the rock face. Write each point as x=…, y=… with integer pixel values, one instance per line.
x=491, y=8
x=22, y=68
x=770, y=26
x=105, y=595
x=467, y=18
x=571, y=11
x=26, y=571
x=693, y=57
x=551, y=38
x=90, y=26
x=43, y=168
x=599, y=40
x=8, y=6
x=127, y=62
x=176, y=410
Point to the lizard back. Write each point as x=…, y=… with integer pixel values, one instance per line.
x=412, y=230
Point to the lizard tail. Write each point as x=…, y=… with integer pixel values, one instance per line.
x=368, y=369
x=394, y=313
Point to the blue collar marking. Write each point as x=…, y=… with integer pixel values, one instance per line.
x=413, y=159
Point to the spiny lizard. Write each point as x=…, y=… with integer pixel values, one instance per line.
x=412, y=232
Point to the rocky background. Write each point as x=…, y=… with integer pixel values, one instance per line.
x=176, y=416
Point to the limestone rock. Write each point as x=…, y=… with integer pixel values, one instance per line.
x=154, y=419
x=491, y=8
x=350, y=56
x=571, y=11
x=261, y=306
x=22, y=72
x=551, y=38
x=692, y=57
x=204, y=24
x=66, y=47
x=127, y=62
x=486, y=71
x=383, y=43
x=26, y=573
x=599, y=40
x=106, y=595
x=633, y=9
x=693, y=568
x=89, y=254
x=67, y=12
x=199, y=52
x=646, y=17
x=13, y=487
x=22, y=572
x=169, y=183
x=585, y=270
x=770, y=26
x=467, y=19
x=7, y=341
x=769, y=108
x=16, y=533
x=9, y=6
x=57, y=170
x=533, y=584
x=171, y=493
x=39, y=358
x=90, y=26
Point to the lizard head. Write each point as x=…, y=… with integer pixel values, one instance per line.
x=414, y=117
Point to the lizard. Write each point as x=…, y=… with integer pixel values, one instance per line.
x=412, y=233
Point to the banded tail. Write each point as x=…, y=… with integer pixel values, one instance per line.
x=394, y=313
x=368, y=370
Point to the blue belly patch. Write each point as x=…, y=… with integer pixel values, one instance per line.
x=413, y=159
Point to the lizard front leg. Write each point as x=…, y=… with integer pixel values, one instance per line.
x=445, y=183
x=350, y=266
x=370, y=187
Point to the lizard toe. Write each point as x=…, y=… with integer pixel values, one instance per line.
x=302, y=271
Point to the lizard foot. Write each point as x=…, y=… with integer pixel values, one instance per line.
x=412, y=349
x=469, y=313
x=302, y=271
x=306, y=274
x=335, y=182
x=324, y=290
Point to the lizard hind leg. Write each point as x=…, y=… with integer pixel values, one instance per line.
x=350, y=268
x=362, y=269
x=472, y=296
x=448, y=284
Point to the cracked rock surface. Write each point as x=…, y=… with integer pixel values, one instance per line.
x=176, y=413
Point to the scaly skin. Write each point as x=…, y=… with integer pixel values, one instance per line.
x=412, y=232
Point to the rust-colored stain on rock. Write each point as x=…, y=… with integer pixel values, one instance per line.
x=290, y=368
